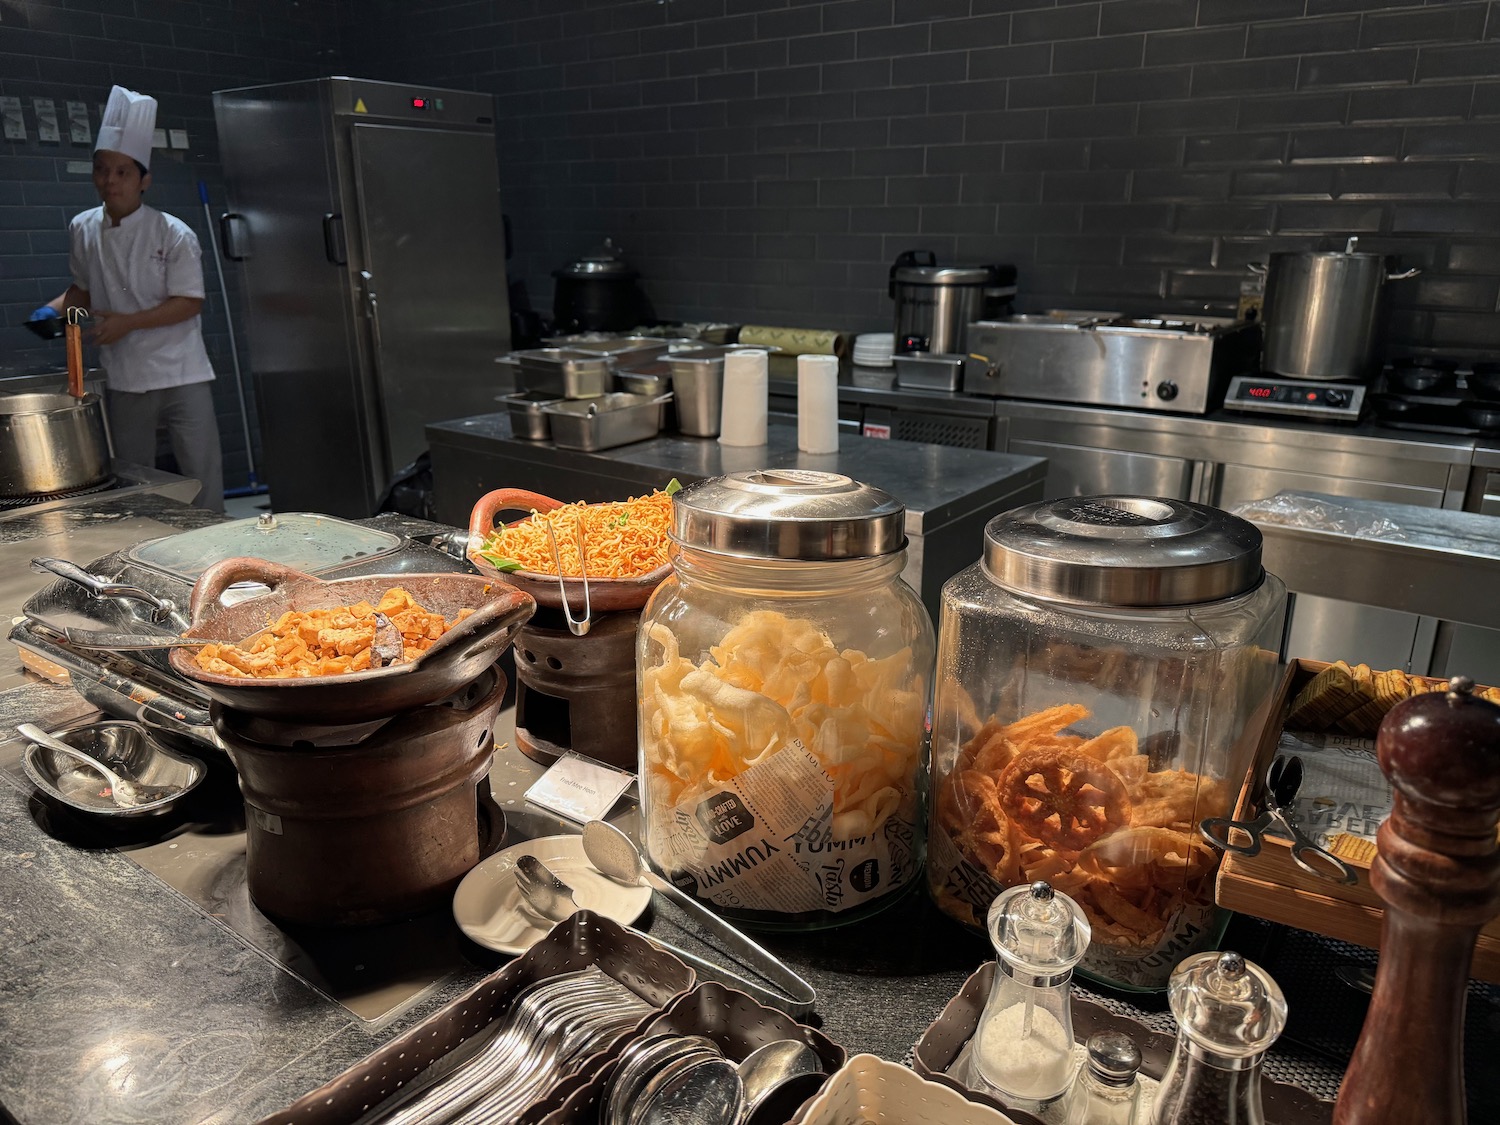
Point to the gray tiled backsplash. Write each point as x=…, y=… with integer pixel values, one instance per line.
x=766, y=159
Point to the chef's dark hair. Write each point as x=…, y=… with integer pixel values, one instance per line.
x=141, y=168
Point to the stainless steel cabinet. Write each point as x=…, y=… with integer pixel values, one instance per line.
x=1094, y=450
x=1076, y=470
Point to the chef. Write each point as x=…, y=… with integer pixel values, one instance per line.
x=139, y=272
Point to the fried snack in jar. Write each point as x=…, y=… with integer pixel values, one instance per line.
x=1102, y=680
x=1028, y=801
x=784, y=670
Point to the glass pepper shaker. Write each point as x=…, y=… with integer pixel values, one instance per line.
x=1229, y=1012
x=1023, y=1048
x=1105, y=1091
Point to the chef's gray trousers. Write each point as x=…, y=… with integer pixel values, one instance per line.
x=187, y=414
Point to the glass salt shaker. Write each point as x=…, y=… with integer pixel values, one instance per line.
x=1105, y=1091
x=1229, y=1011
x=1023, y=1048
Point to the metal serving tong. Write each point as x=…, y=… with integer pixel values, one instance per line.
x=1283, y=780
x=577, y=626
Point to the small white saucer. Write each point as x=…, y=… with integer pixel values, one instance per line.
x=487, y=904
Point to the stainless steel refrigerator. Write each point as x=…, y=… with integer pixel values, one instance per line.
x=367, y=218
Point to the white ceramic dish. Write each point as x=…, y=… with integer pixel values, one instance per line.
x=869, y=1089
x=487, y=904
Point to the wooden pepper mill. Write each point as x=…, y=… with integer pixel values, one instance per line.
x=1438, y=872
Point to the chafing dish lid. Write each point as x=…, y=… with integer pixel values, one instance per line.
x=305, y=541
x=796, y=514
x=1123, y=551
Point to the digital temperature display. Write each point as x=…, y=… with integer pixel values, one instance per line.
x=1258, y=392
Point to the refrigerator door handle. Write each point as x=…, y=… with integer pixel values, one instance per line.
x=227, y=241
x=335, y=249
x=372, y=308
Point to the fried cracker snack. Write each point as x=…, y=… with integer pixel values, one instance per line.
x=1027, y=801
x=775, y=681
x=330, y=642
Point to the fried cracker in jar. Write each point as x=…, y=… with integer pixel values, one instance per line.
x=1099, y=676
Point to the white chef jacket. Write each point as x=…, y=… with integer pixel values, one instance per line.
x=135, y=266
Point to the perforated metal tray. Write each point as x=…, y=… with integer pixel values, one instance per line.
x=583, y=940
x=733, y=1020
x=945, y=1037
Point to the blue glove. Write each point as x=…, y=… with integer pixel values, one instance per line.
x=46, y=312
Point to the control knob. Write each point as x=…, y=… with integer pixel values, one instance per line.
x=1166, y=390
x=1336, y=398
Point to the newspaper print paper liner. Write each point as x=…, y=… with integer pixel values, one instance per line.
x=869, y=1089
x=785, y=861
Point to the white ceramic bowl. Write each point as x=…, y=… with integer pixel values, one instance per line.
x=869, y=1089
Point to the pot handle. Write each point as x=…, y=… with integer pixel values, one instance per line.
x=1403, y=275
x=497, y=634
x=491, y=504
x=1256, y=267
x=216, y=579
x=908, y=258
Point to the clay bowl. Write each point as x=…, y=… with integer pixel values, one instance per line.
x=606, y=595
x=456, y=658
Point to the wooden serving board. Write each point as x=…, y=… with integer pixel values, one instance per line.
x=1271, y=886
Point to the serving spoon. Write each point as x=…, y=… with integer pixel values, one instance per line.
x=615, y=855
x=124, y=793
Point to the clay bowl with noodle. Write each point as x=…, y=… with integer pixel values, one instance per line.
x=606, y=595
x=453, y=660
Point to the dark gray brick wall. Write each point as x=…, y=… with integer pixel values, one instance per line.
x=179, y=52
x=767, y=159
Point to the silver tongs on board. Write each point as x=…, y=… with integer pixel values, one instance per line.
x=1283, y=780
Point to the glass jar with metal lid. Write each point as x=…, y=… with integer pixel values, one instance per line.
x=1098, y=680
x=784, y=675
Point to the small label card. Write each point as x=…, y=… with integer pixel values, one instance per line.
x=579, y=789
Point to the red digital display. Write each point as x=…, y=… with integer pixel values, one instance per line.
x=419, y=103
x=1259, y=392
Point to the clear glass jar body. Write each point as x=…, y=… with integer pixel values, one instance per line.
x=1082, y=745
x=1023, y=1046
x=1202, y=1087
x=783, y=735
x=1095, y=1102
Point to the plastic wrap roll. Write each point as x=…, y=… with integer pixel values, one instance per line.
x=743, y=407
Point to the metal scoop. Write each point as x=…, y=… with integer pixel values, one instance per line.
x=615, y=855
x=126, y=794
x=553, y=900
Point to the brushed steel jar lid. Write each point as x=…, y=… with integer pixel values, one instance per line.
x=1123, y=551
x=945, y=275
x=796, y=514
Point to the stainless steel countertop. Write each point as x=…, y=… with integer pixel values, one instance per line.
x=875, y=386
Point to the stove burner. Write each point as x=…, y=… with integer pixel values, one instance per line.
x=577, y=693
x=8, y=503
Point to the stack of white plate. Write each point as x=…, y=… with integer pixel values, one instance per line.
x=873, y=349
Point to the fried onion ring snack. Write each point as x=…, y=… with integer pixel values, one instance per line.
x=1028, y=800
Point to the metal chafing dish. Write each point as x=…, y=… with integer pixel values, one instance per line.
x=1181, y=365
x=140, y=684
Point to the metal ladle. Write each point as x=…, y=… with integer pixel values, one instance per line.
x=124, y=793
x=553, y=900
x=615, y=855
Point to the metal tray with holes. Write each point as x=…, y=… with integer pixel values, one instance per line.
x=584, y=939
x=734, y=1021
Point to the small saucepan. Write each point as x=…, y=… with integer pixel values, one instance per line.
x=1483, y=415
x=1484, y=381
x=1421, y=375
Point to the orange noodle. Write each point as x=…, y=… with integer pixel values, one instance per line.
x=623, y=539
